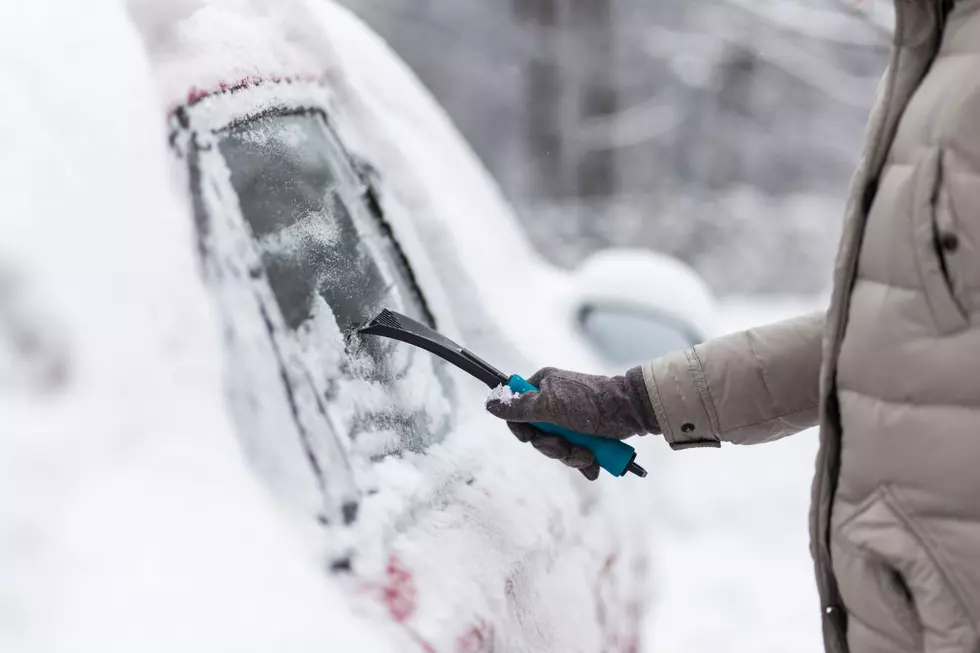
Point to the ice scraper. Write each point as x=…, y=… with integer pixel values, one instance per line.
x=614, y=456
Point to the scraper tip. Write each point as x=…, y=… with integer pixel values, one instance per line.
x=384, y=318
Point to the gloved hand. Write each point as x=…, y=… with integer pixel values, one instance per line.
x=614, y=407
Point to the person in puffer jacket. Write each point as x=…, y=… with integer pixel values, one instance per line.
x=891, y=371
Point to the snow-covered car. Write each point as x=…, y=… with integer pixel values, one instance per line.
x=635, y=305
x=317, y=204
x=322, y=184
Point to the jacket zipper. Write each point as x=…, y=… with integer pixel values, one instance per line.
x=832, y=605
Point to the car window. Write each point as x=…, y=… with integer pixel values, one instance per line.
x=624, y=335
x=302, y=199
x=332, y=264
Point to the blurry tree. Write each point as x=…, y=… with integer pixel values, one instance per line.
x=593, y=30
x=722, y=131
x=594, y=34
x=544, y=94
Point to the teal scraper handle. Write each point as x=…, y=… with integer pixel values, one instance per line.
x=614, y=456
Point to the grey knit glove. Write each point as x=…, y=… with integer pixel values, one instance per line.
x=614, y=407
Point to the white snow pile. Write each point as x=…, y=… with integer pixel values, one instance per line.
x=128, y=519
x=503, y=394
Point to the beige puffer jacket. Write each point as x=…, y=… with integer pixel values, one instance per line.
x=892, y=374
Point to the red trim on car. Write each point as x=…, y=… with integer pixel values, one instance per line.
x=195, y=94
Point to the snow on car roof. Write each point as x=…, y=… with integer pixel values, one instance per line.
x=198, y=46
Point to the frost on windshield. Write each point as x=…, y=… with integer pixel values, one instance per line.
x=331, y=267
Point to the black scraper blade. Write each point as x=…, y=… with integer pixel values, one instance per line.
x=389, y=324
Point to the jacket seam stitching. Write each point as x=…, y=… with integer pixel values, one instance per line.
x=770, y=419
x=892, y=402
x=863, y=278
x=917, y=253
x=876, y=558
x=876, y=630
x=879, y=560
x=930, y=548
x=971, y=293
x=777, y=412
x=887, y=106
x=697, y=371
x=860, y=509
x=658, y=407
x=962, y=298
x=885, y=495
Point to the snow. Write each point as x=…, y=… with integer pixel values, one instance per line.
x=732, y=564
x=503, y=394
x=645, y=280
x=197, y=45
x=128, y=517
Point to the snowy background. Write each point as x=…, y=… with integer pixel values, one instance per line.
x=722, y=131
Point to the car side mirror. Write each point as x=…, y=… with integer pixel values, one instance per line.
x=635, y=305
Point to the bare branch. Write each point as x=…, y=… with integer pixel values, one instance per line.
x=641, y=123
x=852, y=27
x=774, y=46
x=879, y=14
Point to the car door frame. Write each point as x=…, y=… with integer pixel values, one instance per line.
x=193, y=138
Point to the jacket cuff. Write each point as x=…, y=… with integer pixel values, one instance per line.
x=679, y=397
x=640, y=400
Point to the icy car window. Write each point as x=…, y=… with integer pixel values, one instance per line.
x=299, y=196
x=332, y=265
x=627, y=336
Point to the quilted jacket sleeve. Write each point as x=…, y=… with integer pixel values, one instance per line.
x=749, y=387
